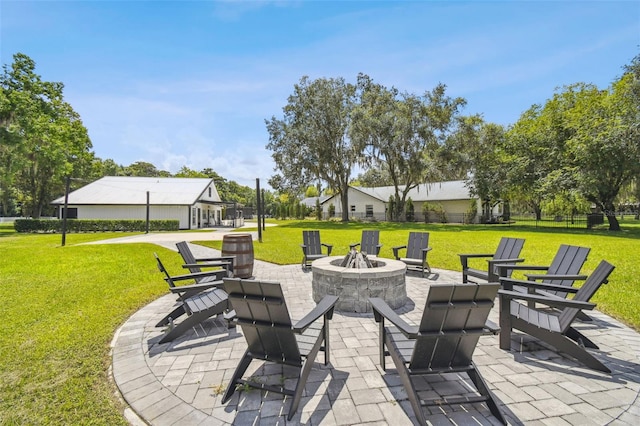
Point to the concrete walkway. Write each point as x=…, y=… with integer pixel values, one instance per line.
x=181, y=383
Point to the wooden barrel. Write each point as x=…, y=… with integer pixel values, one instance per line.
x=240, y=246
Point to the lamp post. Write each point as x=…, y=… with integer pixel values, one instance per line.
x=64, y=211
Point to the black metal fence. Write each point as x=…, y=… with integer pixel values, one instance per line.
x=558, y=221
x=587, y=221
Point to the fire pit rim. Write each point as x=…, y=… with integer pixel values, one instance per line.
x=355, y=285
x=383, y=265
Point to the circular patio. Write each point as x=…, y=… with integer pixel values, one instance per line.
x=182, y=382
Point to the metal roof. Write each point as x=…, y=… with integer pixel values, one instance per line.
x=128, y=190
x=437, y=191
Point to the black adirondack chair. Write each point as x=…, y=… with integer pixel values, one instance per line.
x=271, y=335
x=563, y=271
x=312, y=247
x=201, y=281
x=551, y=328
x=370, y=243
x=453, y=320
x=199, y=301
x=196, y=264
x=416, y=254
x=508, y=252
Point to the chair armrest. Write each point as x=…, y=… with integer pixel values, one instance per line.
x=502, y=269
x=207, y=264
x=508, y=283
x=472, y=255
x=324, y=307
x=555, y=277
x=396, y=249
x=548, y=301
x=424, y=253
x=464, y=258
x=496, y=262
x=354, y=245
x=192, y=287
x=381, y=311
x=193, y=275
x=329, y=248
x=211, y=259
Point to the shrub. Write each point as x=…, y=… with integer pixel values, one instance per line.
x=410, y=210
x=436, y=209
x=93, y=225
x=472, y=212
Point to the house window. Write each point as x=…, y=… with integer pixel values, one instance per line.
x=353, y=209
x=194, y=216
x=72, y=213
x=369, y=210
x=209, y=192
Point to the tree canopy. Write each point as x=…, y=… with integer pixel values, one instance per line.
x=311, y=140
x=402, y=132
x=42, y=141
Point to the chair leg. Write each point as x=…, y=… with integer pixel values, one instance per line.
x=302, y=379
x=382, y=339
x=405, y=378
x=237, y=375
x=584, y=317
x=564, y=344
x=505, y=323
x=176, y=313
x=580, y=338
x=192, y=320
x=480, y=384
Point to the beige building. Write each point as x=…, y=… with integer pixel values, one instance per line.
x=372, y=203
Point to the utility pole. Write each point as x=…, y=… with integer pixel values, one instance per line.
x=259, y=211
x=64, y=211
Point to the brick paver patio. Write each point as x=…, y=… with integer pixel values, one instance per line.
x=182, y=382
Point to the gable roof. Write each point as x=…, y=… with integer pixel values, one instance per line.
x=428, y=192
x=130, y=190
x=311, y=201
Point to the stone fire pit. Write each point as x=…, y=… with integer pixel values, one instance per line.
x=354, y=285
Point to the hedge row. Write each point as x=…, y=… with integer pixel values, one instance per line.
x=93, y=225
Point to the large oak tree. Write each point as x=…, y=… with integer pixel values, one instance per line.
x=311, y=141
x=402, y=132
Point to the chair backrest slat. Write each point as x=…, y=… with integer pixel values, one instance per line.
x=311, y=239
x=162, y=269
x=263, y=315
x=567, y=261
x=417, y=242
x=509, y=248
x=598, y=277
x=370, y=241
x=451, y=335
x=187, y=255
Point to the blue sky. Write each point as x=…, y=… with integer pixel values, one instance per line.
x=192, y=82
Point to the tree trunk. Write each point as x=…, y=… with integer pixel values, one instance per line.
x=344, y=199
x=538, y=212
x=610, y=212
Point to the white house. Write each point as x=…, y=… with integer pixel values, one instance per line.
x=194, y=202
x=372, y=203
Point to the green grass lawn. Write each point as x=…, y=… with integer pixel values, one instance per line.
x=62, y=305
